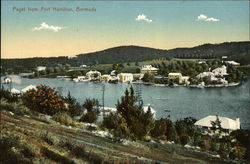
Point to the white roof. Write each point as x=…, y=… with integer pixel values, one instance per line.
x=90, y=72
x=28, y=88
x=232, y=62
x=15, y=91
x=149, y=68
x=226, y=123
x=175, y=74
x=126, y=74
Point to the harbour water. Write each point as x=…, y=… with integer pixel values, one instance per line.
x=176, y=102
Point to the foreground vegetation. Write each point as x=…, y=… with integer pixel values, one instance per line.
x=38, y=127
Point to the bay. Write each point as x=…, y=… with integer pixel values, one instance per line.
x=179, y=102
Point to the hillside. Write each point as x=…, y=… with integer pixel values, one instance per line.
x=31, y=139
x=123, y=54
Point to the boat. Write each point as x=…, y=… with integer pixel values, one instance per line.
x=166, y=110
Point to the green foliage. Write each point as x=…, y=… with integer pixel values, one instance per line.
x=44, y=100
x=63, y=118
x=14, y=150
x=49, y=138
x=75, y=148
x=148, y=78
x=73, y=107
x=55, y=156
x=216, y=125
x=8, y=96
x=15, y=107
x=92, y=107
x=160, y=129
x=137, y=121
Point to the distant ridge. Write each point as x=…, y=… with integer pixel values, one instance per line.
x=132, y=53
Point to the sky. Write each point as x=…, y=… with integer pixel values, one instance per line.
x=48, y=31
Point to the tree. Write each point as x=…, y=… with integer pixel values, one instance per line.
x=74, y=108
x=148, y=77
x=139, y=123
x=216, y=125
x=92, y=107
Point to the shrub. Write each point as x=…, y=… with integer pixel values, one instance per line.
x=92, y=107
x=184, y=139
x=73, y=107
x=55, y=156
x=138, y=122
x=205, y=143
x=13, y=150
x=238, y=152
x=5, y=94
x=76, y=149
x=49, y=138
x=15, y=107
x=160, y=129
x=44, y=100
x=63, y=118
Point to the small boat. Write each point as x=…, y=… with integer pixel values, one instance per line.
x=161, y=98
x=166, y=110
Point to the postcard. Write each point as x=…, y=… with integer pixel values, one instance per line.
x=125, y=81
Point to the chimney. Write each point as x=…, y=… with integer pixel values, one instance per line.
x=238, y=123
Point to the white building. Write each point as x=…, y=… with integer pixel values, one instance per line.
x=125, y=77
x=210, y=75
x=7, y=80
x=184, y=80
x=220, y=71
x=148, y=69
x=83, y=66
x=93, y=75
x=233, y=63
x=40, y=68
x=226, y=123
x=30, y=87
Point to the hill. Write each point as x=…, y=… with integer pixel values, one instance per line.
x=122, y=54
x=31, y=139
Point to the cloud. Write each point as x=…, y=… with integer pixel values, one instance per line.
x=212, y=19
x=45, y=26
x=142, y=17
x=203, y=17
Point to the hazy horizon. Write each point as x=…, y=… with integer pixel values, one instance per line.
x=67, y=28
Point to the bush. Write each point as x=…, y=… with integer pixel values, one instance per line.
x=49, y=138
x=73, y=107
x=15, y=107
x=5, y=94
x=76, y=149
x=92, y=107
x=184, y=139
x=13, y=150
x=160, y=129
x=55, y=156
x=63, y=118
x=44, y=100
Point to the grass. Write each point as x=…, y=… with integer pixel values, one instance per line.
x=51, y=143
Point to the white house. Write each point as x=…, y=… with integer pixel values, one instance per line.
x=40, y=68
x=233, y=63
x=148, y=69
x=220, y=71
x=7, y=80
x=93, y=75
x=30, y=87
x=210, y=75
x=125, y=77
x=226, y=123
